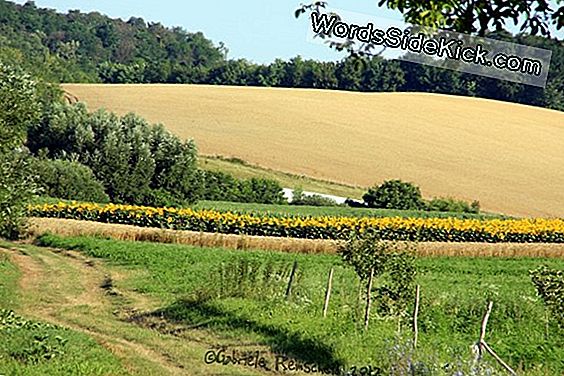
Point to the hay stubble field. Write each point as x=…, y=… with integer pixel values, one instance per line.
x=510, y=157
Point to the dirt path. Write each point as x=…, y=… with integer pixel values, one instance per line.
x=69, y=290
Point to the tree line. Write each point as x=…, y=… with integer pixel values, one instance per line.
x=91, y=47
x=103, y=157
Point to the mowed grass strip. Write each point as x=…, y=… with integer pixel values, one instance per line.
x=73, y=228
x=507, y=156
x=241, y=296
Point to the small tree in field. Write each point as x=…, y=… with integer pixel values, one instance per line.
x=392, y=266
x=19, y=106
x=395, y=194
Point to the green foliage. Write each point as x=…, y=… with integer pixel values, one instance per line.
x=220, y=186
x=115, y=73
x=299, y=198
x=175, y=165
x=68, y=180
x=162, y=198
x=17, y=189
x=452, y=205
x=393, y=267
x=136, y=162
x=550, y=287
x=40, y=345
x=19, y=107
x=394, y=194
x=533, y=15
x=261, y=191
x=249, y=278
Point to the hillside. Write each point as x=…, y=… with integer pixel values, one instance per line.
x=507, y=156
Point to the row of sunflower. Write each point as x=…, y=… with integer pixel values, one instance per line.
x=322, y=227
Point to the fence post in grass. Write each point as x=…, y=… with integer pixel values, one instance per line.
x=415, y=314
x=482, y=345
x=368, y=299
x=291, y=280
x=328, y=292
x=483, y=330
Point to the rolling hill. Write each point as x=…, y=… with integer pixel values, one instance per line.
x=510, y=157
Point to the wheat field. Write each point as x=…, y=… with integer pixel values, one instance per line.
x=510, y=157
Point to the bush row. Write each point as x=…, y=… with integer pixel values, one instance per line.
x=132, y=161
x=397, y=194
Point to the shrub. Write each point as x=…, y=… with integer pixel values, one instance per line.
x=394, y=194
x=162, y=198
x=550, y=287
x=452, y=205
x=261, y=191
x=68, y=180
x=220, y=186
x=299, y=198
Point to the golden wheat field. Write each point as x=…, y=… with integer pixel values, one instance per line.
x=510, y=157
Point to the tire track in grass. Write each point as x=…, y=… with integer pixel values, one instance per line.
x=64, y=288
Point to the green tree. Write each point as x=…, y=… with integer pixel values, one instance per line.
x=19, y=107
x=393, y=268
x=175, y=165
x=394, y=194
x=482, y=15
x=68, y=180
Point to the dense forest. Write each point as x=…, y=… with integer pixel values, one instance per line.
x=80, y=47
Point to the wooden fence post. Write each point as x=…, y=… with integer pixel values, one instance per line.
x=483, y=329
x=368, y=299
x=291, y=280
x=328, y=292
x=482, y=345
x=415, y=314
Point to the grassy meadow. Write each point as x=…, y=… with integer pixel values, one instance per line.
x=246, y=305
x=468, y=148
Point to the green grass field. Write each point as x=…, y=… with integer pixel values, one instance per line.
x=239, y=296
x=333, y=211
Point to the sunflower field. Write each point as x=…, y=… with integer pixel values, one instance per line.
x=531, y=230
